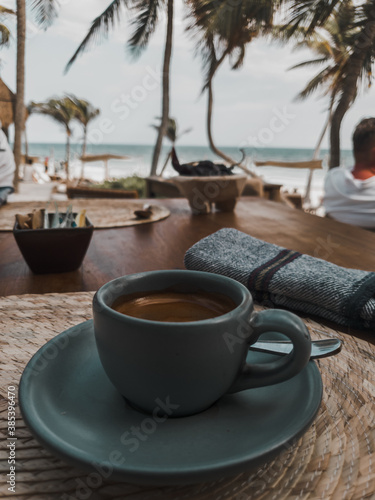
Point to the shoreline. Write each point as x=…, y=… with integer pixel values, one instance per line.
x=139, y=160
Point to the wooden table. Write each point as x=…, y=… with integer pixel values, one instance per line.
x=334, y=455
x=162, y=245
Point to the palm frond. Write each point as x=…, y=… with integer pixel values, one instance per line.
x=334, y=45
x=84, y=111
x=313, y=62
x=185, y=131
x=145, y=23
x=239, y=57
x=5, y=10
x=60, y=110
x=345, y=17
x=284, y=32
x=312, y=86
x=171, y=130
x=99, y=27
x=310, y=13
x=367, y=68
x=224, y=29
x=45, y=11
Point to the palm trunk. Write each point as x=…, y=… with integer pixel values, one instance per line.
x=165, y=99
x=349, y=89
x=19, y=115
x=26, y=143
x=323, y=133
x=67, y=154
x=84, y=140
x=210, y=109
x=83, y=152
x=307, y=197
x=209, y=126
x=337, y=117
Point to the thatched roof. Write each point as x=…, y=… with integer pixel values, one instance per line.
x=7, y=103
x=7, y=106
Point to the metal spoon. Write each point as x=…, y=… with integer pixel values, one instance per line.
x=319, y=348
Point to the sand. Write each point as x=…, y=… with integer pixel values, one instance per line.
x=33, y=191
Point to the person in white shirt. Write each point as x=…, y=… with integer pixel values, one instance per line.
x=7, y=168
x=349, y=195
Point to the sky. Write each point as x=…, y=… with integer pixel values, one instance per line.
x=253, y=106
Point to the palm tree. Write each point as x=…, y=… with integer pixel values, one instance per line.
x=30, y=108
x=63, y=112
x=173, y=135
x=19, y=113
x=224, y=30
x=85, y=112
x=45, y=11
x=331, y=44
x=145, y=22
x=359, y=60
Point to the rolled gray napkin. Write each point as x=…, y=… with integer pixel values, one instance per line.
x=285, y=278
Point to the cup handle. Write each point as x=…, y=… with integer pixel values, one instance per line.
x=284, y=368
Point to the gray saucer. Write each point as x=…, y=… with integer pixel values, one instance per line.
x=72, y=408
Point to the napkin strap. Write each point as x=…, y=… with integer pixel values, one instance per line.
x=356, y=301
x=260, y=277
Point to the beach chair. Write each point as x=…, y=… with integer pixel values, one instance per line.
x=303, y=201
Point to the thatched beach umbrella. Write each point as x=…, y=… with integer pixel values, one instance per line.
x=7, y=103
x=7, y=107
x=103, y=157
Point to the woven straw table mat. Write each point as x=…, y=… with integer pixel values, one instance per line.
x=103, y=213
x=335, y=459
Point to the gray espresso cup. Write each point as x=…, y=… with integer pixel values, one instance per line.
x=182, y=368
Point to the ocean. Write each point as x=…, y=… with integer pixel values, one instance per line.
x=140, y=156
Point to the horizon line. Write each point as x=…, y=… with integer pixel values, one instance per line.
x=181, y=145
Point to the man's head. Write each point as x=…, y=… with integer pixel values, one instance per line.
x=364, y=141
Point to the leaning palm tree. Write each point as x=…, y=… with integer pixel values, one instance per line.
x=85, y=112
x=63, y=112
x=360, y=58
x=145, y=22
x=331, y=45
x=223, y=31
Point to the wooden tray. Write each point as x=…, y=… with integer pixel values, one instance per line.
x=102, y=213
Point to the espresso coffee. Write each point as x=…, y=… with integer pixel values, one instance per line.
x=172, y=306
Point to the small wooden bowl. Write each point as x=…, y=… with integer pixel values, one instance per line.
x=54, y=250
x=203, y=192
